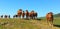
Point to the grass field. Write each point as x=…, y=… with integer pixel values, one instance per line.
x=28, y=24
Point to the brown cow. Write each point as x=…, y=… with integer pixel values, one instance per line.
x=27, y=14
x=31, y=14
x=19, y=13
x=23, y=14
x=49, y=18
x=35, y=15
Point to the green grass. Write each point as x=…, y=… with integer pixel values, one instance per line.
x=24, y=24
x=57, y=21
x=18, y=24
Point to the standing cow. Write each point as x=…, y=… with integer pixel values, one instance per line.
x=1, y=16
x=5, y=16
x=19, y=13
x=9, y=16
x=31, y=14
x=15, y=16
x=35, y=15
x=49, y=18
x=23, y=14
x=27, y=14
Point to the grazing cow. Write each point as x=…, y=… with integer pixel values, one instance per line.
x=1, y=16
x=23, y=14
x=15, y=16
x=27, y=14
x=49, y=18
x=5, y=16
x=19, y=13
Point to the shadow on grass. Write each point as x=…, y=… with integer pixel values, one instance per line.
x=57, y=25
x=38, y=19
x=33, y=19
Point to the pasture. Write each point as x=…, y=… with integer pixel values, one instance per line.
x=28, y=24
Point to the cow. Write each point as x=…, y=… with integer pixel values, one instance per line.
x=27, y=14
x=49, y=18
x=19, y=13
x=5, y=16
x=9, y=16
x=15, y=16
x=23, y=14
x=1, y=16
x=35, y=15
x=31, y=14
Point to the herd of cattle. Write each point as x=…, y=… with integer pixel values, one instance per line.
x=23, y=14
x=26, y=14
x=31, y=15
x=5, y=16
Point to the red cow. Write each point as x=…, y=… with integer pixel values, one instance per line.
x=31, y=14
x=19, y=13
x=49, y=18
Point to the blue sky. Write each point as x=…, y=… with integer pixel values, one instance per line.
x=10, y=7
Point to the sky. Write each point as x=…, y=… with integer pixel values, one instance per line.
x=42, y=7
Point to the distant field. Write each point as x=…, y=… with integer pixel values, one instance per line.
x=57, y=20
x=26, y=24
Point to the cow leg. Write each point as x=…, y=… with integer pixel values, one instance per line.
x=47, y=21
x=23, y=17
x=52, y=22
x=19, y=16
x=26, y=17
